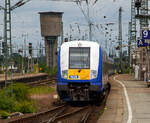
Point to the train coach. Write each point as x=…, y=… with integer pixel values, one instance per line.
x=82, y=71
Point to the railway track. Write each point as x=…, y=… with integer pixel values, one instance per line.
x=66, y=114
x=60, y=114
x=38, y=117
x=49, y=81
x=27, y=79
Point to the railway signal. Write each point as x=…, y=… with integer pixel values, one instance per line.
x=30, y=48
x=66, y=40
x=118, y=47
x=20, y=51
x=138, y=5
x=4, y=47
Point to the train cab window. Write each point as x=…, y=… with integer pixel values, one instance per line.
x=79, y=57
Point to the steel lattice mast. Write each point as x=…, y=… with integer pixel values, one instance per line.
x=133, y=22
x=120, y=35
x=7, y=35
x=144, y=11
x=7, y=24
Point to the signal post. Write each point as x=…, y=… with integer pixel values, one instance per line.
x=30, y=60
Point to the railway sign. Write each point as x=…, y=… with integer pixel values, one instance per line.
x=141, y=43
x=145, y=34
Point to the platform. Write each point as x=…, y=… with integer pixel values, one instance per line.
x=24, y=78
x=114, y=107
x=117, y=107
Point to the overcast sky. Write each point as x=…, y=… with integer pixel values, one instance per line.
x=25, y=20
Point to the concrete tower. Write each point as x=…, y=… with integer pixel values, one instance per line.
x=51, y=29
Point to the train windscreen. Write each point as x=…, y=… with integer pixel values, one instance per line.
x=79, y=57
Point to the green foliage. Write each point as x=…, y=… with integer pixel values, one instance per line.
x=20, y=91
x=6, y=102
x=18, y=101
x=4, y=114
x=41, y=90
x=126, y=70
x=1, y=72
x=43, y=67
x=49, y=71
x=25, y=107
x=52, y=71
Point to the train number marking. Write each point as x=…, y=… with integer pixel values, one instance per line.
x=74, y=77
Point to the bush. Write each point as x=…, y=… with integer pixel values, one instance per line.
x=25, y=107
x=20, y=91
x=43, y=68
x=6, y=102
x=127, y=70
x=18, y=102
x=4, y=114
x=49, y=71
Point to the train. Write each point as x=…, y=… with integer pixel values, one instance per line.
x=83, y=68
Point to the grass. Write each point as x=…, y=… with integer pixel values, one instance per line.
x=19, y=101
x=41, y=90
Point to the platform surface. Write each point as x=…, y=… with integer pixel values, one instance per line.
x=113, y=112
x=18, y=76
x=139, y=96
x=116, y=110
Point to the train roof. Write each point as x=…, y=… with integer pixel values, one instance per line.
x=80, y=43
x=86, y=43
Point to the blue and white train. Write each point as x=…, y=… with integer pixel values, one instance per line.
x=82, y=71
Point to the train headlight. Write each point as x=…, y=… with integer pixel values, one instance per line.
x=93, y=74
x=64, y=74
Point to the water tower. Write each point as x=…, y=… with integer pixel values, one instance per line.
x=51, y=29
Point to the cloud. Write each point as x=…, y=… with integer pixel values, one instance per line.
x=26, y=19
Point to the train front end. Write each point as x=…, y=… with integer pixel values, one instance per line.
x=79, y=71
